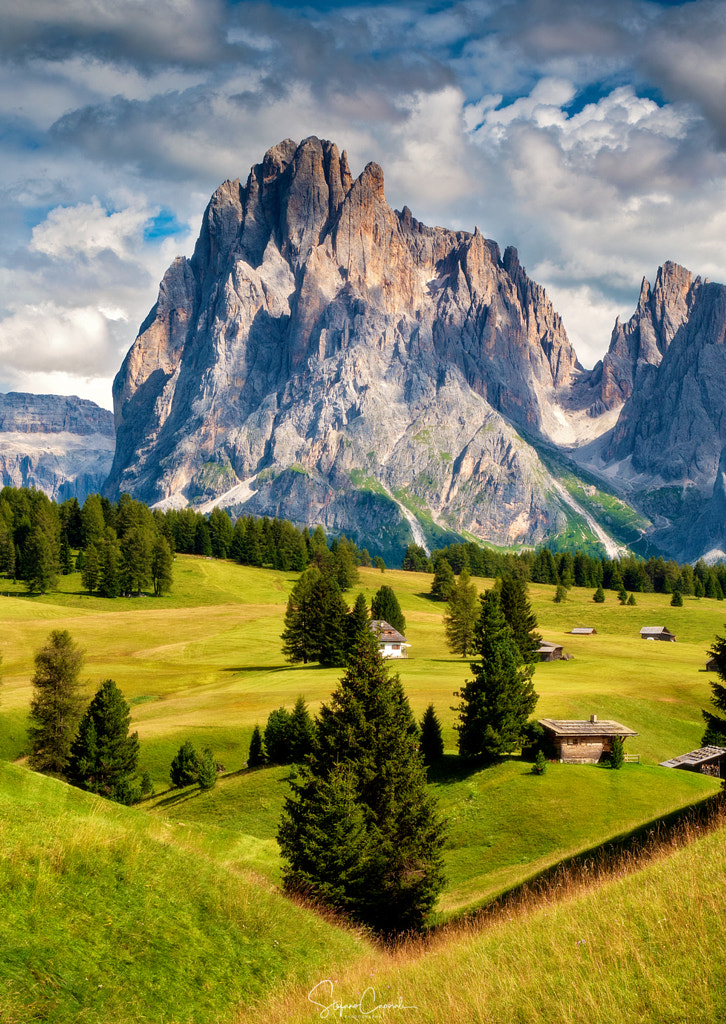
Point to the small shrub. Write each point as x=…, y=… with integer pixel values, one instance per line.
x=677, y=599
x=599, y=596
x=617, y=756
x=560, y=594
x=631, y=599
x=540, y=764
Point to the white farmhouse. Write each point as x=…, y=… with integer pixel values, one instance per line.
x=391, y=643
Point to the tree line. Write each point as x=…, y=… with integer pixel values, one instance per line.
x=656, y=575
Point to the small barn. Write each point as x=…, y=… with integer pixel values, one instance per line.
x=711, y=665
x=391, y=643
x=549, y=651
x=657, y=633
x=583, y=631
x=576, y=742
x=705, y=760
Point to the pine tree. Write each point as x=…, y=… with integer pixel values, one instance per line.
x=631, y=600
x=360, y=832
x=57, y=704
x=66, y=556
x=497, y=702
x=444, y=581
x=677, y=599
x=385, y=606
x=357, y=622
x=431, y=743
x=162, y=562
x=299, y=640
x=461, y=616
x=715, y=734
x=39, y=564
x=90, y=569
x=560, y=594
x=622, y=595
x=185, y=766
x=256, y=757
x=104, y=756
x=329, y=614
x=519, y=616
x=277, y=737
x=599, y=596
x=540, y=764
x=108, y=566
x=207, y=773
x=301, y=732
x=135, y=564
x=617, y=754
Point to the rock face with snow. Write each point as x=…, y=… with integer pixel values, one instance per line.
x=350, y=364
x=63, y=446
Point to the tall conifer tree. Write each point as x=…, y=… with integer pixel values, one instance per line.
x=57, y=703
x=360, y=831
x=385, y=606
x=461, y=616
x=715, y=734
x=497, y=702
x=104, y=756
x=519, y=615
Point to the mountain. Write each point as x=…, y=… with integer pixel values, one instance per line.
x=667, y=369
x=63, y=446
x=326, y=358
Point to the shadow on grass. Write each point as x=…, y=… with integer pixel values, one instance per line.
x=244, y=669
x=452, y=768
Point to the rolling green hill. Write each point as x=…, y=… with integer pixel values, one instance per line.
x=98, y=889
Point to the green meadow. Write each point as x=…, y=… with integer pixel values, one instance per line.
x=204, y=663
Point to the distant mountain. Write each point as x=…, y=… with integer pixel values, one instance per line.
x=63, y=446
x=329, y=359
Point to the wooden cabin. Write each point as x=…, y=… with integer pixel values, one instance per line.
x=549, y=651
x=705, y=760
x=711, y=665
x=575, y=742
x=583, y=631
x=657, y=633
x=391, y=643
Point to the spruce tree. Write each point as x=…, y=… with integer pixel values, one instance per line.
x=207, y=773
x=256, y=757
x=329, y=621
x=302, y=731
x=90, y=569
x=677, y=599
x=497, y=702
x=444, y=581
x=57, y=703
x=461, y=616
x=277, y=737
x=185, y=766
x=104, y=756
x=385, y=606
x=39, y=563
x=162, y=562
x=299, y=640
x=560, y=594
x=631, y=600
x=540, y=764
x=599, y=596
x=360, y=832
x=357, y=622
x=518, y=614
x=715, y=734
x=617, y=754
x=431, y=743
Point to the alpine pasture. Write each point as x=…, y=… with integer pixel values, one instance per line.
x=204, y=663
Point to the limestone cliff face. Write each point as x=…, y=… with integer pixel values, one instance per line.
x=673, y=428
x=639, y=345
x=63, y=446
x=317, y=331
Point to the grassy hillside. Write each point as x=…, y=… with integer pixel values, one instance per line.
x=112, y=915
x=205, y=663
x=645, y=945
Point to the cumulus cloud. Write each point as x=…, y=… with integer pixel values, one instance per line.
x=589, y=136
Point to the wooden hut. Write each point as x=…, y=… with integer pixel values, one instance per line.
x=549, y=651
x=657, y=633
x=705, y=760
x=583, y=631
x=576, y=742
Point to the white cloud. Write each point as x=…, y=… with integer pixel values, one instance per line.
x=88, y=229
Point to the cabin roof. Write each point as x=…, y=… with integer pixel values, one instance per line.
x=386, y=633
x=548, y=645
x=562, y=727
x=583, y=630
x=654, y=630
x=694, y=757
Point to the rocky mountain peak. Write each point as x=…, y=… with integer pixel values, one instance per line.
x=639, y=345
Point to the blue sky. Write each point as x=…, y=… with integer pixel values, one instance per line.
x=592, y=137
